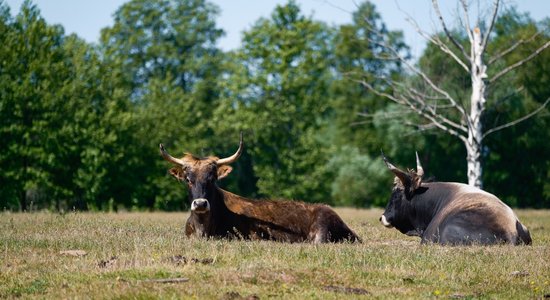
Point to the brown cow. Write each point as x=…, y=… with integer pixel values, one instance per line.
x=449, y=213
x=221, y=214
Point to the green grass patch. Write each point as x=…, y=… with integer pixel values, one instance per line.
x=127, y=253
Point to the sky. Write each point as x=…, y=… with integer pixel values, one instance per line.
x=86, y=18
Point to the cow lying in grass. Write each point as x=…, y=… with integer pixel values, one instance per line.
x=449, y=213
x=221, y=214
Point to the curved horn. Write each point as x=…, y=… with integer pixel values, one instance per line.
x=403, y=176
x=387, y=162
x=419, y=169
x=232, y=158
x=169, y=158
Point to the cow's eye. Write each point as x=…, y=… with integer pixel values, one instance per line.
x=186, y=177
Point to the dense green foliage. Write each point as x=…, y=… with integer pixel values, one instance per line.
x=58, y=118
x=278, y=93
x=80, y=124
x=167, y=64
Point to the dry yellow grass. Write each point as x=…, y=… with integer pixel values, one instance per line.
x=125, y=252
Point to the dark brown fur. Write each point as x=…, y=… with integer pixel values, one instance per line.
x=233, y=216
x=279, y=220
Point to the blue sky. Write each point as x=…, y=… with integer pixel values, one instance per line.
x=86, y=18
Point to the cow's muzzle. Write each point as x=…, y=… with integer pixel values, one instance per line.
x=385, y=222
x=200, y=206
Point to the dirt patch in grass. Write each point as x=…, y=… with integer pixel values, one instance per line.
x=346, y=290
x=237, y=296
x=182, y=260
x=267, y=277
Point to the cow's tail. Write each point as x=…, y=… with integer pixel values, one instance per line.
x=523, y=234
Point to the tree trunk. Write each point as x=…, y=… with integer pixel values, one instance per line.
x=473, y=158
x=475, y=133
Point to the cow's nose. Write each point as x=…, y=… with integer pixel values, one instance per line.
x=384, y=221
x=200, y=205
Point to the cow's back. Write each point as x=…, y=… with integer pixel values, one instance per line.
x=472, y=216
x=281, y=213
x=292, y=221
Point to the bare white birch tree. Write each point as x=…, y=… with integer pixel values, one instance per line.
x=432, y=102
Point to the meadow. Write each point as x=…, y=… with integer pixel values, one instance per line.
x=145, y=255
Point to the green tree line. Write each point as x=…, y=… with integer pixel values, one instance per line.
x=80, y=123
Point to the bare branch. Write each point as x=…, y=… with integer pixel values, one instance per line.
x=447, y=32
x=519, y=63
x=425, y=78
x=512, y=48
x=404, y=101
x=419, y=99
x=467, y=21
x=329, y=3
x=422, y=97
x=430, y=83
x=385, y=114
x=438, y=124
x=493, y=19
x=536, y=111
x=432, y=110
x=421, y=127
x=425, y=96
x=436, y=41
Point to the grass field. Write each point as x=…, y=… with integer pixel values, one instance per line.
x=127, y=255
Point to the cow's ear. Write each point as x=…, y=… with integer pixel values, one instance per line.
x=224, y=170
x=408, y=181
x=403, y=177
x=416, y=182
x=177, y=172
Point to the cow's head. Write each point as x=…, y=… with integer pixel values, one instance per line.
x=406, y=184
x=201, y=175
